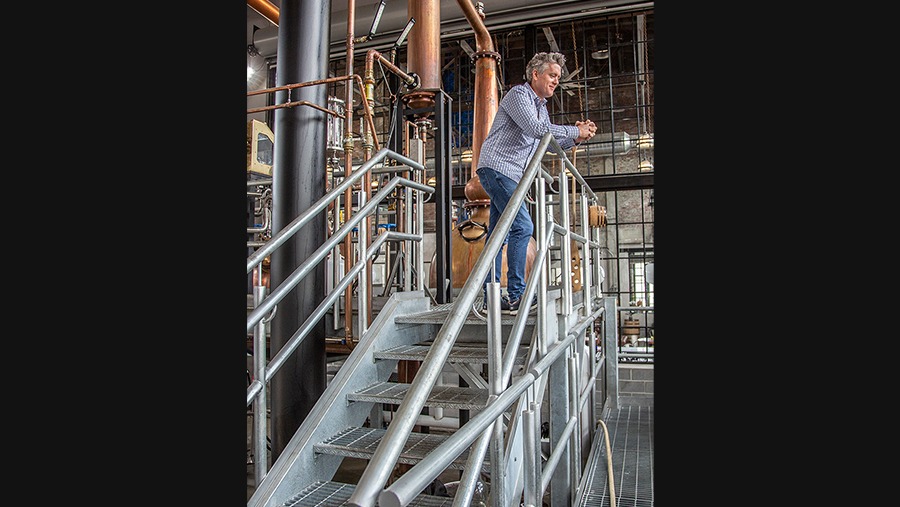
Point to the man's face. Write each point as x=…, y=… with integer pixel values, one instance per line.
x=544, y=84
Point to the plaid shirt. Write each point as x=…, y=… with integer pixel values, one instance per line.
x=521, y=120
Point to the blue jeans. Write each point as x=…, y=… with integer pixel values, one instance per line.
x=500, y=188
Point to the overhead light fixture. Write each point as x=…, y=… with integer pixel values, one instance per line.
x=255, y=77
x=466, y=155
x=646, y=165
x=252, y=50
x=600, y=54
x=253, y=53
x=406, y=29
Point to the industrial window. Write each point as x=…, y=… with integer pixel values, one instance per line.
x=641, y=288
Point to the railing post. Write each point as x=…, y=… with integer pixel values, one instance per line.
x=407, y=248
x=611, y=351
x=587, y=258
x=575, y=437
x=597, y=265
x=565, y=256
x=532, y=461
x=543, y=274
x=495, y=381
x=362, y=291
x=260, y=409
x=560, y=400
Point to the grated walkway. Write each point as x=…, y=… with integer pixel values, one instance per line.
x=631, y=442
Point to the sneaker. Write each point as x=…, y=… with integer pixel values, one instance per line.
x=504, y=304
x=512, y=307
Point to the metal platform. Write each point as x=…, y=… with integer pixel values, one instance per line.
x=438, y=313
x=631, y=442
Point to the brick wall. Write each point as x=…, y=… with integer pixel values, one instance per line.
x=636, y=384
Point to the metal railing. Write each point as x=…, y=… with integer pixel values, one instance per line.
x=550, y=345
x=265, y=305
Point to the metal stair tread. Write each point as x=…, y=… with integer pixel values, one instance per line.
x=458, y=354
x=356, y=442
x=335, y=494
x=438, y=313
x=464, y=398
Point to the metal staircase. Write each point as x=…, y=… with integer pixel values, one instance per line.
x=528, y=384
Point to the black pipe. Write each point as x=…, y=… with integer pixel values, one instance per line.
x=298, y=182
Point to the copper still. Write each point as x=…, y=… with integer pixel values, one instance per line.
x=468, y=240
x=424, y=52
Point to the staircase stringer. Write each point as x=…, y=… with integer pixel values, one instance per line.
x=298, y=465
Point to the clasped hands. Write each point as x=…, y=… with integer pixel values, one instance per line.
x=586, y=130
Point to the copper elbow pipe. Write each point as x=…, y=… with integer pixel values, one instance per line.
x=486, y=93
x=371, y=56
x=265, y=9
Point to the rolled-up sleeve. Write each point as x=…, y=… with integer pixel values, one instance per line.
x=565, y=135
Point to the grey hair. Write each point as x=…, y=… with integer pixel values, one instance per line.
x=540, y=61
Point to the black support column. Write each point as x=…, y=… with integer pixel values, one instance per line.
x=443, y=187
x=298, y=182
x=443, y=205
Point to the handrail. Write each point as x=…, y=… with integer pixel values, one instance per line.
x=407, y=486
x=370, y=485
x=325, y=249
x=382, y=461
x=290, y=229
x=546, y=351
x=276, y=362
x=403, y=490
x=265, y=305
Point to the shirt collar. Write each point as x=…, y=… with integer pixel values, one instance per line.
x=538, y=101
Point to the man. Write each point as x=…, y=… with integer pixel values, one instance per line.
x=521, y=120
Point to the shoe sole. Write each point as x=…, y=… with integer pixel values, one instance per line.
x=516, y=310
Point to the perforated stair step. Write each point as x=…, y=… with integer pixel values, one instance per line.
x=463, y=398
x=362, y=442
x=458, y=354
x=335, y=494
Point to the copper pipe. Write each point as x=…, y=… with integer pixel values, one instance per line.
x=301, y=85
x=292, y=104
x=486, y=93
x=348, y=169
x=423, y=52
x=368, y=110
x=265, y=9
x=371, y=56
